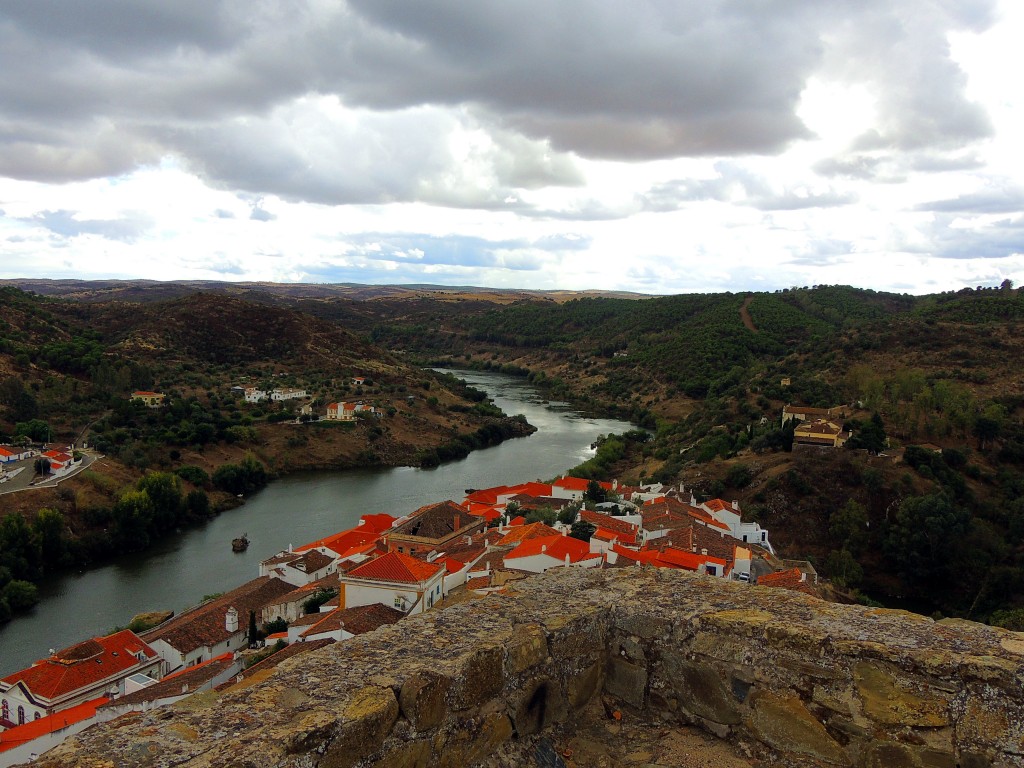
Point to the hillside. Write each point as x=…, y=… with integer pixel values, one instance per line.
x=708, y=375
x=67, y=370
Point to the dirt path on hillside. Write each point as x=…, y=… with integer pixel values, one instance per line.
x=745, y=315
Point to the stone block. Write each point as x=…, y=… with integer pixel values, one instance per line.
x=892, y=755
x=892, y=699
x=995, y=722
x=527, y=647
x=473, y=740
x=785, y=724
x=422, y=700
x=539, y=704
x=643, y=625
x=410, y=754
x=626, y=681
x=581, y=686
x=366, y=720
x=701, y=690
x=480, y=677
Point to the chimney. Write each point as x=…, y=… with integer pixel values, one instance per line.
x=231, y=620
x=615, y=485
x=704, y=552
x=567, y=561
x=543, y=547
x=469, y=539
x=736, y=505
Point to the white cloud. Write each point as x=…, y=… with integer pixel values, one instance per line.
x=688, y=146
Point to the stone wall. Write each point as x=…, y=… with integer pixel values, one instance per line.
x=798, y=681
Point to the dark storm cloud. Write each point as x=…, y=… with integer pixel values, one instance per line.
x=99, y=88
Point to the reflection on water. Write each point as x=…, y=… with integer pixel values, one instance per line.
x=291, y=511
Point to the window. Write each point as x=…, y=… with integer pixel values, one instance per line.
x=398, y=602
x=21, y=715
x=763, y=536
x=36, y=716
x=5, y=710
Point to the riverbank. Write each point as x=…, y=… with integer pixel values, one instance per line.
x=297, y=507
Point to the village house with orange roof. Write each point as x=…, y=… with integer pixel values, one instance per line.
x=174, y=687
x=546, y=552
x=23, y=743
x=821, y=432
x=214, y=627
x=299, y=568
x=149, y=399
x=431, y=527
x=806, y=413
x=396, y=579
x=9, y=454
x=92, y=668
x=729, y=515
x=343, y=623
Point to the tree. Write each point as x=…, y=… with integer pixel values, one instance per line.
x=164, y=492
x=843, y=568
x=848, y=526
x=41, y=466
x=986, y=429
x=869, y=435
x=567, y=515
x=595, y=492
x=36, y=430
x=20, y=595
x=48, y=530
x=582, y=530
x=254, y=632
x=918, y=538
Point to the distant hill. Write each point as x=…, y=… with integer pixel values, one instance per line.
x=153, y=290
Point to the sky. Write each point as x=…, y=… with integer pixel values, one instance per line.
x=656, y=146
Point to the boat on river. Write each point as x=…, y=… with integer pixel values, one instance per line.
x=241, y=543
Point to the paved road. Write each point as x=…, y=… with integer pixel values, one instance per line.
x=24, y=480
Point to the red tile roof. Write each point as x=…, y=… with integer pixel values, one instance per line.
x=553, y=546
x=396, y=566
x=356, y=621
x=690, y=561
x=436, y=521
x=81, y=666
x=22, y=734
x=379, y=522
x=204, y=625
x=572, y=483
x=610, y=523
x=791, y=578
x=525, y=532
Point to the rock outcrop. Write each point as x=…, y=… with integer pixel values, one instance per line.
x=796, y=681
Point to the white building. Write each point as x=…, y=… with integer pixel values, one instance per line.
x=401, y=581
x=729, y=514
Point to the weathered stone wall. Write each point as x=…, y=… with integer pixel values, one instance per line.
x=799, y=681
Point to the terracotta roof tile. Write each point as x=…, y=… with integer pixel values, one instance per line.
x=396, y=566
x=525, y=532
x=22, y=734
x=204, y=625
x=83, y=665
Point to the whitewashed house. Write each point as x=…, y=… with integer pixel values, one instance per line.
x=401, y=581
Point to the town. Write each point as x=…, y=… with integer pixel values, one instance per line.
x=379, y=572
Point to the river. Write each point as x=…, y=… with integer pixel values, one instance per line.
x=296, y=509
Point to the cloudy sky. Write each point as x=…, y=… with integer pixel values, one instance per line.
x=660, y=146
